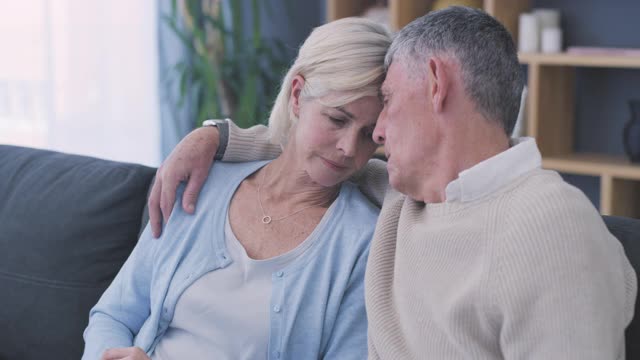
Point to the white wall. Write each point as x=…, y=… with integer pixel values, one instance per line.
x=81, y=76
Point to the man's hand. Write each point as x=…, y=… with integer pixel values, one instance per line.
x=130, y=353
x=190, y=161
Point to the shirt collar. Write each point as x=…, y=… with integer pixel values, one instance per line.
x=495, y=172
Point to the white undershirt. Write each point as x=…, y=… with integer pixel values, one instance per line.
x=225, y=314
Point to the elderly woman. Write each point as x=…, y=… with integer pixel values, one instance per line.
x=272, y=265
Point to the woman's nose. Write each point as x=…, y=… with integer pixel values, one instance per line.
x=348, y=144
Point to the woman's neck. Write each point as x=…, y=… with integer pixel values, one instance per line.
x=285, y=182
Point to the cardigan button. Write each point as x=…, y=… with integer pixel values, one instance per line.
x=276, y=309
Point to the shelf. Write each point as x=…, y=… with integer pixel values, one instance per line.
x=594, y=165
x=564, y=59
x=402, y=12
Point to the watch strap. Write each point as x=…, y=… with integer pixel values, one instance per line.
x=223, y=132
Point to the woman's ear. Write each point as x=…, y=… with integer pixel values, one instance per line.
x=297, y=84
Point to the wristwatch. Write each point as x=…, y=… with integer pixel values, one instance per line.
x=223, y=131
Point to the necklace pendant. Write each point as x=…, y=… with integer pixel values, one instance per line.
x=266, y=219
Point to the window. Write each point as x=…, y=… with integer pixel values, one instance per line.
x=81, y=76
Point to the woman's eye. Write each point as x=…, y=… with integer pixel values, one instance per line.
x=336, y=120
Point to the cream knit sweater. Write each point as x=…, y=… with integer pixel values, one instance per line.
x=527, y=272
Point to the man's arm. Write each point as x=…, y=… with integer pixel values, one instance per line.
x=562, y=285
x=191, y=161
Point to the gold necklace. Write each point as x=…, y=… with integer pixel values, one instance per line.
x=266, y=219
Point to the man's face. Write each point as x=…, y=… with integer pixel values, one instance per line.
x=407, y=129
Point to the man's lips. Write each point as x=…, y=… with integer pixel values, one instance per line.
x=334, y=165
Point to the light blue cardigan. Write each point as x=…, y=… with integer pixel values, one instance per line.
x=317, y=301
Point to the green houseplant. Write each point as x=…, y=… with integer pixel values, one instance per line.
x=229, y=69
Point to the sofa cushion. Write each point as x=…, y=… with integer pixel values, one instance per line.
x=67, y=224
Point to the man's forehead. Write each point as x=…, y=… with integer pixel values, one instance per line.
x=394, y=73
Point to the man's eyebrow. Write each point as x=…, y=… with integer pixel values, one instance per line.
x=349, y=115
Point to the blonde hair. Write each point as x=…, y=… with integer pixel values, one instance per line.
x=344, y=58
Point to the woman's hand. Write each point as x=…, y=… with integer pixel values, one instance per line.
x=190, y=161
x=130, y=353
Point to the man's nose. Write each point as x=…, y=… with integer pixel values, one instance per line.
x=379, y=132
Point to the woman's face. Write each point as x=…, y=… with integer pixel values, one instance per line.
x=334, y=142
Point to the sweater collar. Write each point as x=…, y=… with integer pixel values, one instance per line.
x=496, y=172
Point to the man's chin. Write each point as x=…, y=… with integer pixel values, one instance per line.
x=394, y=180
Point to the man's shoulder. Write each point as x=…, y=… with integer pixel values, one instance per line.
x=549, y=207
x=547, y=189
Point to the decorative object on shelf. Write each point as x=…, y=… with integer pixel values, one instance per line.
x=540, y=30
x=441, y=4
x=528, y=33
x=550, y=33
x=547, y=18
x=631, y=135
x=551, y=40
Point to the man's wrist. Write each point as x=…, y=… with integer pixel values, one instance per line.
x=223, y=135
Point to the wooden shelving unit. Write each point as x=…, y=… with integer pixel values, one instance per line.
x=551, y=117
x=402, y=12
x=564, y=59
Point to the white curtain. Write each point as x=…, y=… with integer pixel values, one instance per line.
x=81, y=76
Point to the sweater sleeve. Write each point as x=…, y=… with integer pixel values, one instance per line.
x=249, y=144
x=373, y=180
x=560, y=281
x=123, y=308
x=253, y=144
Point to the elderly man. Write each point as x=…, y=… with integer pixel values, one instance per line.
x=478, y=252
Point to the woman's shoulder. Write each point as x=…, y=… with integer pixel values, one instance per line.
x=356, y=206
x=229, y=175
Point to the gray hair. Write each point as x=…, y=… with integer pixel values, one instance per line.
x=484, y=49
x=344, y=58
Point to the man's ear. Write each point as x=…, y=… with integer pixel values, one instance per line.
x=439, y=79
x=297, y=84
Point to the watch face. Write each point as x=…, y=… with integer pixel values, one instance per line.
x=210, y=123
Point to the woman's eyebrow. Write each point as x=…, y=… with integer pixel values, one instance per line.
x=341, y=109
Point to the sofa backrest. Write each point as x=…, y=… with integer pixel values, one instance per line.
x=67, y=224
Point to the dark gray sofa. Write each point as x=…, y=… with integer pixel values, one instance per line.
x=67, y=223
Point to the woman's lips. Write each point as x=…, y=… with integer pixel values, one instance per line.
x=335, y=166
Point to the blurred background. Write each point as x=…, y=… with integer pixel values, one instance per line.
x=125, y=80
